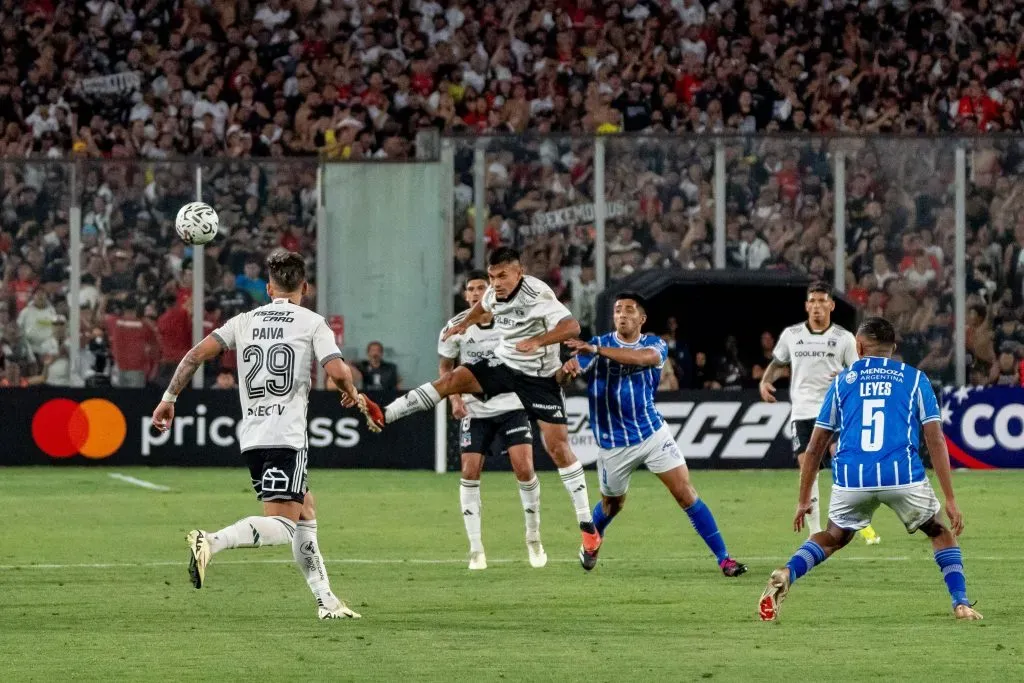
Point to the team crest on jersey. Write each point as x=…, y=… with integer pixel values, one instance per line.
x=832, y=343
x=851, y=377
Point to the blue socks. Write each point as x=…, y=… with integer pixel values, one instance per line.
x=951, y=563
x=700, y=516
x=601, y=520
x=804, y=559
x=704, y=522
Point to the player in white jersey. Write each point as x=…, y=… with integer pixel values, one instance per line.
x=276, y=346
x=815, y=351
x=532, y=323
x=499, y=420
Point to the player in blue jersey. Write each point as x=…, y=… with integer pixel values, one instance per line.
x=623, y=369
x=877, y=408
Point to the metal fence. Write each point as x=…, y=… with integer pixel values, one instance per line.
x=922, y=229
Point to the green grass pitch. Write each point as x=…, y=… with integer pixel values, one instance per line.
x=94, y=587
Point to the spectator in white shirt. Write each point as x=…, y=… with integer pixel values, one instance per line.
x=211, y=104
x=56, y=356
x=754, y=251
x=690, y=11
x=584, y=290
x=272, y=14
x=36, y=321
x=43, y=120
x=693, y=44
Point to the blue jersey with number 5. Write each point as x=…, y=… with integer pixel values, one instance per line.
x=877, y=407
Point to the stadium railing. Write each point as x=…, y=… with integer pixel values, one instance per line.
x=623, y=203
x=821, y=206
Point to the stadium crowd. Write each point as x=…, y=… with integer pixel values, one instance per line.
x=122, y=86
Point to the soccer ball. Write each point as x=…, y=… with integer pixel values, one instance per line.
x=197, y=223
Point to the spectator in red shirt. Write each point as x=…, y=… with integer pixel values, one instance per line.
x=134, y=345
x=23, y=285
x=976, y=103
x=174, y=329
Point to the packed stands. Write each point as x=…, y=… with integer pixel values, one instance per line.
x=126, y=87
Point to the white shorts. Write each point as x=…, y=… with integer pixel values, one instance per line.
x=615, y=466
x=914, y=505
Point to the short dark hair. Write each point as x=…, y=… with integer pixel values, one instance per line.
x=878, y=330
x=476, y=275
x=980, y=310
x=287, y=269
x=819, y=287
x=632, y=296
x=503, y=255
x=375, y=343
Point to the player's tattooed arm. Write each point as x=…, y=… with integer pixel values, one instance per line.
x=773, y=372
x=341, y=375
x=206, y=350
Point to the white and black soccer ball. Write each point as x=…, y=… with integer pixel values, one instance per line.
x=197, y=223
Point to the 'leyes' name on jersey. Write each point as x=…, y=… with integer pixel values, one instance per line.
x=875, y=387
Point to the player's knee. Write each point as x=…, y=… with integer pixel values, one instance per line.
x=685, y=495
x=560, y=452
x=472, y=468
x=933, y=528
x=308, y=507
x=835, y=537
x=612, y=505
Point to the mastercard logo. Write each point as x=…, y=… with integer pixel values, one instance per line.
x=94, y=428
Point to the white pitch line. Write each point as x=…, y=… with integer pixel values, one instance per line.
x=139, y=482
x=454, y=561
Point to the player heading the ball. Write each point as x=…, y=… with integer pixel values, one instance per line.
x=532, y=323
x=499, y=421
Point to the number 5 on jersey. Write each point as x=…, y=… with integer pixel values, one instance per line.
x=873, y=433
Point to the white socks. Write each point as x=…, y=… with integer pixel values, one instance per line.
x=423, y=397
x=469, y=499
x=576, y=485
x=253, y=532
x=814, y=523
x=306, y=551
x=529, y=493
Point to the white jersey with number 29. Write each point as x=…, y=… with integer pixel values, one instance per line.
x=814, y=358
x=276, y=346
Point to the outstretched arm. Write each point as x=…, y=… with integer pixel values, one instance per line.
x=567, y=328
x=647, y=357
x=476, y=315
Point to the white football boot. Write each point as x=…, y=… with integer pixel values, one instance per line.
x=199, y=556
